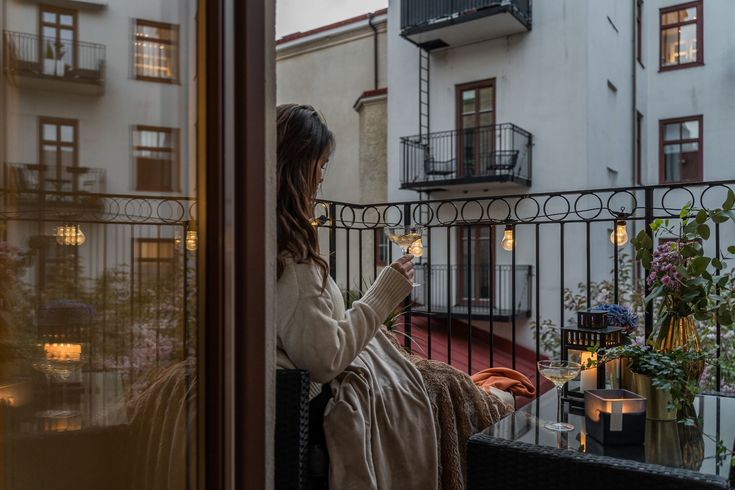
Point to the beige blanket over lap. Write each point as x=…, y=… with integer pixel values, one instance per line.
x=379, y=424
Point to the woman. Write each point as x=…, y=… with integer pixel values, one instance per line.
x=380, y=424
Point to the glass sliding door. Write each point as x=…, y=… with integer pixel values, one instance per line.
x=100, y=253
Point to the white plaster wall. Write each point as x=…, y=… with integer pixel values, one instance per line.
x=331, y=76
x=105, y=121
x=708, y=90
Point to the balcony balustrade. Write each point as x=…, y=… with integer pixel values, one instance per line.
x=494, y=153
x=51, y=64
x=440, y=23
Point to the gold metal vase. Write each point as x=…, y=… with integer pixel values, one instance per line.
x=678, y=332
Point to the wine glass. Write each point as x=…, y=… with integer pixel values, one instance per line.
x=404, y=236
x=559, y=372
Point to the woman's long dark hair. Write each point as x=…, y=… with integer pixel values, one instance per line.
x=303, y=140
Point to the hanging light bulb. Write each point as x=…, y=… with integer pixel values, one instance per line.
x=417, y=248
x=78, y=237
x=508, y=241
x=619, y=236
x=70, y=235
x=192, y=240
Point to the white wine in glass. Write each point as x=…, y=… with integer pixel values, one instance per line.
x=559, y=372
x=404, y=237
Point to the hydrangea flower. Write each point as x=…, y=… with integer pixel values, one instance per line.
x=620, y=316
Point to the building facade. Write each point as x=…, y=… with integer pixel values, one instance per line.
x=492, y=99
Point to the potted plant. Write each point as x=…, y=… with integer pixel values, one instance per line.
x=49, y=60
x=686, y=284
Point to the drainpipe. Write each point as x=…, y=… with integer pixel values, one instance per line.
x=634, y=97
x=371, y=16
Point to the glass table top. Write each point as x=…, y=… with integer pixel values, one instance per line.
x=667, y=443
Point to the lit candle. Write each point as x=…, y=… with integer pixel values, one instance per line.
x=63, y=352
x=589, y=375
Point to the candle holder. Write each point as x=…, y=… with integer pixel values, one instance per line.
x=615, y=417
x=577, y=341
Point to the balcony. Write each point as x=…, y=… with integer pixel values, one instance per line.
x=37, y=186
x=435, y=24
x=48, y=64
x=496, y=153
x=489, y=300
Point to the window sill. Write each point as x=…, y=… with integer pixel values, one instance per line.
x=680, y=67
x=167, y=81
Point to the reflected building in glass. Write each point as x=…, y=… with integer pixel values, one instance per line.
x=97, y=278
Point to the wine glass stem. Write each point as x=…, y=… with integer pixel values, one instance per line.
x=558, y=406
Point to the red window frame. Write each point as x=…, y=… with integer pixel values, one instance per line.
x=699, y=22
x=699, y=140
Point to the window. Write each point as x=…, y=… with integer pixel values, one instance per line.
x=639, y=148
x=681, y=149
x=156, y=51
x=156, y=152
x=681, y=36
x=475, y=121
x=58, y=152
x=154, y=260
x=58, y=32
x=639, y=30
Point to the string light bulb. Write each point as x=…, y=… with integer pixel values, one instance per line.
x=417, y=248
x=619, y=235
x=70, y=235
x=508, y=241
x=192, y=240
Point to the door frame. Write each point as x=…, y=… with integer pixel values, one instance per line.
x=460, y=298
x=459, y=88
x=57, y=121
x=75, y=28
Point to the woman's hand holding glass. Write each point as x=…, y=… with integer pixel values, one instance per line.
x=404, y=265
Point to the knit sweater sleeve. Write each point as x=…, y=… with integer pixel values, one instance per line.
x=315, y=340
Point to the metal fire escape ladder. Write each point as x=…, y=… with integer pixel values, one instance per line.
x=424, y=71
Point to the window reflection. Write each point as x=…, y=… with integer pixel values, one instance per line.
x=98, y=290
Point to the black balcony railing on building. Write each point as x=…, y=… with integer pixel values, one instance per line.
x=36, y=184
x=50, y=58
x=564, y=238
x=418, y=14
x=490, y=297
x=499, y=152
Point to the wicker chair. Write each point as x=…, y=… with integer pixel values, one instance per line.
x=299, y=464
x=519, y=465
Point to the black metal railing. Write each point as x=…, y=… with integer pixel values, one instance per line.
x=32, y=55
x=499, y=152
x=564, y=238
x=418, y=13
x=34, y=184
x=488, y=296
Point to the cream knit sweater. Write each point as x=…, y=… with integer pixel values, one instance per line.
x=314, y=330
x=379, y=425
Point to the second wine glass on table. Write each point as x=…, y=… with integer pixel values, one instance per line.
x=405, y=236
x=559, y=372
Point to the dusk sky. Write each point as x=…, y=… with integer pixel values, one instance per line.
x=302, y=15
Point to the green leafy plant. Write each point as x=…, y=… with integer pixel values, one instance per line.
x=686, y=280
x=666, y=369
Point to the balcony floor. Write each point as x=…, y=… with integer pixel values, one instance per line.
x=502, y=357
